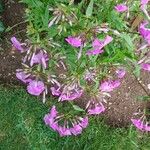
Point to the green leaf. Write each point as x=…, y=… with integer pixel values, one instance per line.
x=128, y=41
x=89, y=9
x=137, y=71
x=77, y=108
x=1, y=27
x=143, y=98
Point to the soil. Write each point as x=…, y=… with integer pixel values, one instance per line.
x=123, y=102
x=9, y=60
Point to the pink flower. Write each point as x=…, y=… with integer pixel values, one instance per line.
x=55, y=92
x=63, y=131
x=84, y=122
x=35, y=87
x=23, y=77
x=40, y=58
x=144, y=3
x=98, y=45
x=120, y=73
x=71, y=92
x=74, y=41
x=145, y=66
x=99, y=108
x=49, y=119
x=147, y=128
x=76, y=129
x=71, y=96
x=94, y=52
x=17, y=44
x=110, y=85
x=52, y=120
x=53, y=112
x=145, y=32
x=121, y=8
x=138, y=124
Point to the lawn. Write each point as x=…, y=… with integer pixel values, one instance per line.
x=22, y=128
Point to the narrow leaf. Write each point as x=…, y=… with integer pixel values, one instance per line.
x=89, y=9
x=77, y=108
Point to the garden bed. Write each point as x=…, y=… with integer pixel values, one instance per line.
x=10, y=60
x=123, y=102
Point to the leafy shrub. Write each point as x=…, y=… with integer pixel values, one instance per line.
x=81, y=51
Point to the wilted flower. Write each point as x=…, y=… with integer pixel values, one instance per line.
x=121, y=8
x=90, y=75
x=55, y=91
x=98, y=45
x=120, y=73
x=18, y=45
x=145, y=32
x=74, y=41
x=74, y=128
x=71, y=91
x=40, y=58
x=110, y=85
x=35, y=87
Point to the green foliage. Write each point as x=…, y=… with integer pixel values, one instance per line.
x=22, y=128
x=83, y=17
x=1, y=24
x=1, y=27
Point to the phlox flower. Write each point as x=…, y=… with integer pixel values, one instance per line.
x=23, y=77
x=145, y=66
x=74, y=41
x=138, y=124
x=71, y=91
x=76, y=129
x=147, y=127
x=120, y=73
x=90, y=75
x=35, y=87
x=110, y=85
x=84, y=122
x=52, y=120
x=98, y=45
x=145, y=32
x=39, y=58
x=18, y=45
x=144, y=3
x=98, y=108
x=55, y=91
x=121, y=8
x=95, y=104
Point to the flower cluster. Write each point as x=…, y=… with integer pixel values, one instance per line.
x=75, y=127
x=35, y=86
x=141, y=123
x=87, y=79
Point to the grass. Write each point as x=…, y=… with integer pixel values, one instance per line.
x=22, y=128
